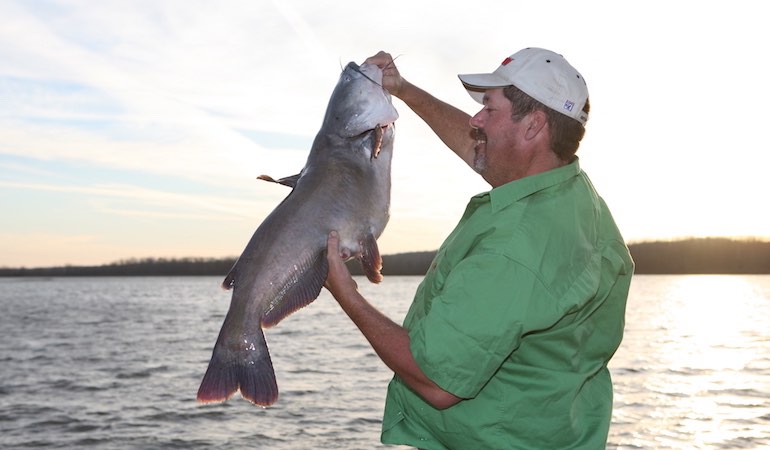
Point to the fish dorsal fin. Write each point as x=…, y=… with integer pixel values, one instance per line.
x=370, y=258
x=302, y=288
x=290, y=181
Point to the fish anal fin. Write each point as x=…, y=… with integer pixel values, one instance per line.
x=290, y=181
x=303, y=287
x=247, y=368
x=370, y=258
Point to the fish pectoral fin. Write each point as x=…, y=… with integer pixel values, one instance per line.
x=290, y=181
x=303, y=287
x=370, y=258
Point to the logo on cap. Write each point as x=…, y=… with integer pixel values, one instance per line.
x=568, y=105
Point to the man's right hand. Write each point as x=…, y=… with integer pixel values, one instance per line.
x=391, y=78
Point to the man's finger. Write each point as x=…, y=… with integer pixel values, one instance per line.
x=333, y=243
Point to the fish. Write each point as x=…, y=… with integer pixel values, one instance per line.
x=344, y=186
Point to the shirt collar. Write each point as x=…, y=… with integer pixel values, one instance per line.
x=509, y=193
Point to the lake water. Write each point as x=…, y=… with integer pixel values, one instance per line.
x=116, y=363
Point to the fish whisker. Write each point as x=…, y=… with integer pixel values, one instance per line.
x=358, y=69
x=392, y=63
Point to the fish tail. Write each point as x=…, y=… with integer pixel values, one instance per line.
x=247, y=369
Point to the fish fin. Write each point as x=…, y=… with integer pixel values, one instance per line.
x=370, y=258
x=229, y=280
x=230, y=371
x=286, y=181
x=303, y=288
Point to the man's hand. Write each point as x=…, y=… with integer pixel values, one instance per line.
x=391, y=78
x=338, y=281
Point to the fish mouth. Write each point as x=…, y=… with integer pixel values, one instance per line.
x=369, y=105
x=377, y=129
x=380, y=127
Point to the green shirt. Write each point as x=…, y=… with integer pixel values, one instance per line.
x=519, y=314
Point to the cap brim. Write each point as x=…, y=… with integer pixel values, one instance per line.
x=477, y=83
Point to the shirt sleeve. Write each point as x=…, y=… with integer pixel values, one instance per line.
x=477, y=321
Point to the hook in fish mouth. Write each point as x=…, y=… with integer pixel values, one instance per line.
x=378, y=133
x=377, y=141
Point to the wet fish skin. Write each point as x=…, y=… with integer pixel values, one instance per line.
x=344, y=186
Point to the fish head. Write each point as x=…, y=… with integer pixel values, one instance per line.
x=359, y=103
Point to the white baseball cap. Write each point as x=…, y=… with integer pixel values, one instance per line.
x=542, y=74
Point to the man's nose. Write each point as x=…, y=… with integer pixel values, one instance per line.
x=476, y=121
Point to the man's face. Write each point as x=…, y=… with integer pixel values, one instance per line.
x=497, y=137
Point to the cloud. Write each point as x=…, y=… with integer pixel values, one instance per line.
x=99, y=98
x=168, y=201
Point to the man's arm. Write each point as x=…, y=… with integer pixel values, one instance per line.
x=389, y=340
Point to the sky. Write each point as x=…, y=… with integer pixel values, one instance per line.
x=136, y=129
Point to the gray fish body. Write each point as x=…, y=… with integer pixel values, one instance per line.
x=344, y=186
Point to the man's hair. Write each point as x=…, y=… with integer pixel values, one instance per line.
x=566, y=132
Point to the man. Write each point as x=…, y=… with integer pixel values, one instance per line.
x=507, y=341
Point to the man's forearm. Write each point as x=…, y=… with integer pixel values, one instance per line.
x=391, y=343
x=450, y=124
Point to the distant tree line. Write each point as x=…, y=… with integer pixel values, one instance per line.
x=702, y=256
x=689, y=256
x=416, y=263
x=133, y=267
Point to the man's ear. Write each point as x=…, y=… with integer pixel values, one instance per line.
x=536, y=122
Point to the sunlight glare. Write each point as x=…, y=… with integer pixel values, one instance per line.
x=707, y=329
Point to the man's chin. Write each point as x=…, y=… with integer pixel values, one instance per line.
x=479, y=162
